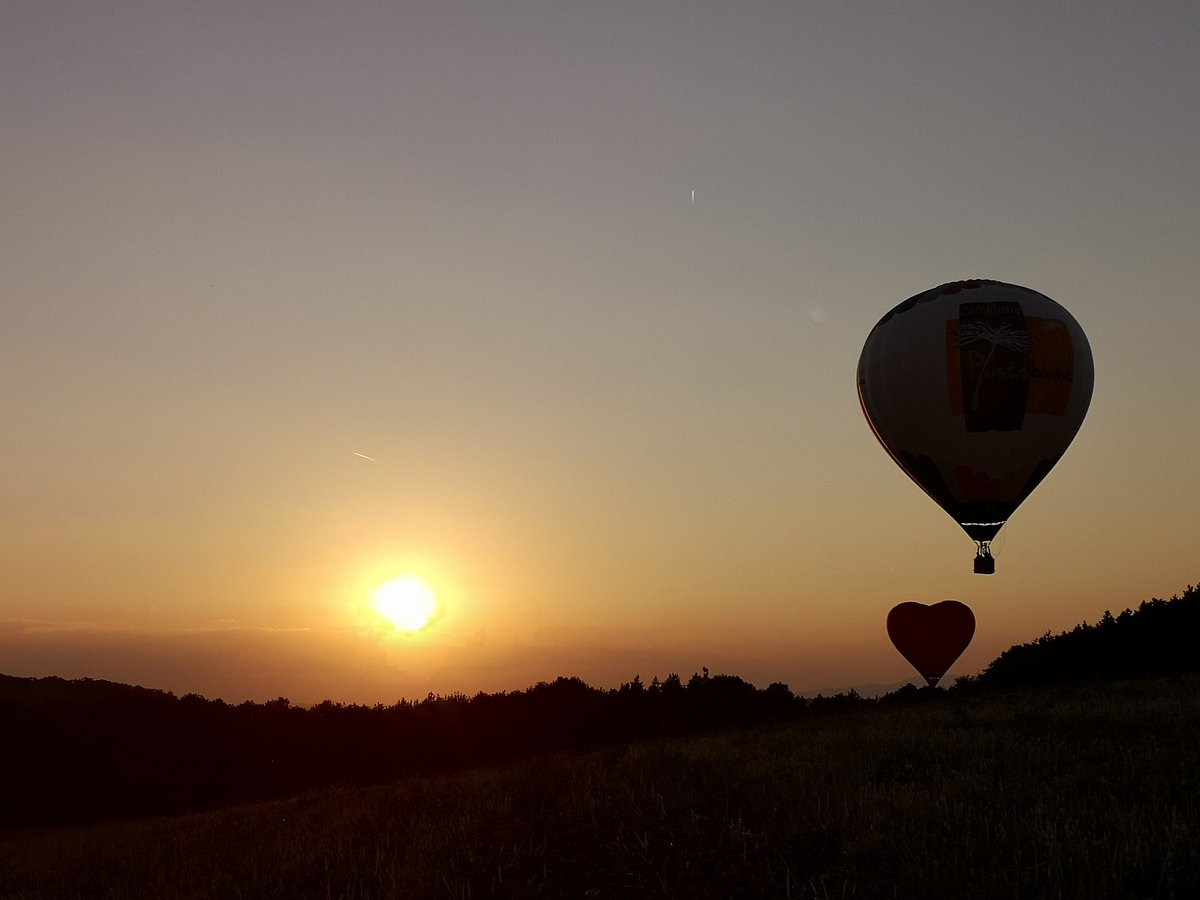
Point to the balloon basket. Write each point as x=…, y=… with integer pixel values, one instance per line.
x=985, y=563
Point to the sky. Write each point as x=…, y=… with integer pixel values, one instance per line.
x=558, y=306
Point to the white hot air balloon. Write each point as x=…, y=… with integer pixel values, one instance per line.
x=975, y=389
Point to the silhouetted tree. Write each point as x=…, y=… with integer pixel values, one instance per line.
x=1160, y=638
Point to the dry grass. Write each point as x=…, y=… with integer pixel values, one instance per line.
x=1068, y=793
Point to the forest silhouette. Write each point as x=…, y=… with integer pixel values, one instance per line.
x=90, y=750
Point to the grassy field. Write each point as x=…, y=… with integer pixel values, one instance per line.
x=1082, y=792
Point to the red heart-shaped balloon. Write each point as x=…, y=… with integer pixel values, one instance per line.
x=931, y=637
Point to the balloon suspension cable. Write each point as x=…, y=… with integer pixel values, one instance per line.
x=985, y=563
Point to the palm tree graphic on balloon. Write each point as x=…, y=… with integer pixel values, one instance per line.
x=1004, y=335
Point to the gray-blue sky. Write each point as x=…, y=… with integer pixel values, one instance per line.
x=244, y=241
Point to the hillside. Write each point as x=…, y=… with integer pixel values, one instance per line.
x=87, y=750
x=1075, y=792
x=1160, y=637
x=74, y=751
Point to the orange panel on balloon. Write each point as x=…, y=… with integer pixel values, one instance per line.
x=1008, y=371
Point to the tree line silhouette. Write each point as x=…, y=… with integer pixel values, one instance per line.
x=73, y=751
x=1161, y=637
x=88, y=749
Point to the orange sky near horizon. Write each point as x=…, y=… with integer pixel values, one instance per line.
x=299, y=299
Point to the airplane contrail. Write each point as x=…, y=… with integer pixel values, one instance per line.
x=364, y=456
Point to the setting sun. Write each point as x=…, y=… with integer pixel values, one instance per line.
x=408, y=602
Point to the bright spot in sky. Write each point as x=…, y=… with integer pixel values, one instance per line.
x=407, y=602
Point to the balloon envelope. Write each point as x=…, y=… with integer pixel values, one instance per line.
x=931, y=637
x=975, y=389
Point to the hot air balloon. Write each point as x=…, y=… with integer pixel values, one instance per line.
x=931, y=637
x=975, y=389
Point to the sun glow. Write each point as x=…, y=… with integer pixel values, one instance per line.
x=407, y=602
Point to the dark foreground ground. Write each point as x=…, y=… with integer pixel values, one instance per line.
x=1078, y=792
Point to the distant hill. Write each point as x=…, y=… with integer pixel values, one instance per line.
x=868, y=691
